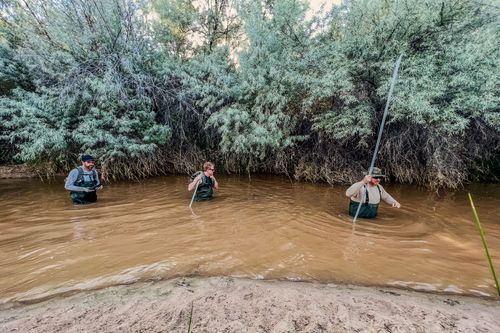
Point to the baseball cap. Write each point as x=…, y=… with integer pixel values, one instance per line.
x=86, y=158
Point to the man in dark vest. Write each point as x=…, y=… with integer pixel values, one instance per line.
x=83, y=182
x=206, y=183
x=369, y=193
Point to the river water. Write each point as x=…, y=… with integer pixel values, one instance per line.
x=259, y=228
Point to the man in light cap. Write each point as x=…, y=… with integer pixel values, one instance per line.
x=204, y=182
x=83, y=182
x=369, y=193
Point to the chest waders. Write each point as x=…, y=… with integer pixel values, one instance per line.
x=367, y=210
x=84, y=197
x=205, y=190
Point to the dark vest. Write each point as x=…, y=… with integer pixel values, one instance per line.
x=367, y=210
x=84, y=197
x=205, y=189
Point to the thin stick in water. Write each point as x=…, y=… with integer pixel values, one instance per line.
x=386, y=110
x=483, y=238
x=194, y=194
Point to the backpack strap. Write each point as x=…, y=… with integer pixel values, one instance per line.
x=79, y=179
x=367, y=201
x=368, y=197
x=194, y=175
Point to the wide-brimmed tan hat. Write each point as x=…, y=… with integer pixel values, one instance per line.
x=376, y=172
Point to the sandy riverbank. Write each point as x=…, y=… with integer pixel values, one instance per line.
x=241, y=305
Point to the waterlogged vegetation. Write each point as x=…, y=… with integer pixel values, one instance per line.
x=151, y=87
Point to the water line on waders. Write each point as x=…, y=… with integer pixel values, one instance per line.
x=194, y=193
x=386, y=110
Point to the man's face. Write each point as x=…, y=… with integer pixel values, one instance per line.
x=375, y=181
x=211, y=171
x=88, y=164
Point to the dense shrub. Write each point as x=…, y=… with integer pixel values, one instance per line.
x=158, y=86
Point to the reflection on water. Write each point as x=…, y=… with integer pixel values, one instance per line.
x=266, y=228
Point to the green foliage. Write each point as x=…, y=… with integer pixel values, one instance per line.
x=173, y=25
x=33, y=126
x=90, y=83
x=251, y=132
x=445, y=91
x=173, y=82
x=258, y=117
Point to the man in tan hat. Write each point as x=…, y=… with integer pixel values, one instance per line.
x=369, y=192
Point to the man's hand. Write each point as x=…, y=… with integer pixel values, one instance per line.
x=88, y=189
x=396, y=205
x=216, y=185
x=99, y=187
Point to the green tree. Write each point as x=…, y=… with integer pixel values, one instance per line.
x=253, y=84
x=445, y=92
x=90, y=66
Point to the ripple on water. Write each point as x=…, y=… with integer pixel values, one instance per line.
x=265, y=227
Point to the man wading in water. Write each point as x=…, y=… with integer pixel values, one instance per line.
x=369, y=192
x=83, y=182
x=206, y=183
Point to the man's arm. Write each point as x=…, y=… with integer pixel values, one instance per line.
x=73, y=175
x=98, y=186
x=192, y=185
x=356, y=187
x=388, y=198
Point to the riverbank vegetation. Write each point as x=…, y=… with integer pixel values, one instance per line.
x=152, y=87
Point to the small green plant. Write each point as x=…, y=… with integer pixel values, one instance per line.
x=190, y=317
x=481, y=233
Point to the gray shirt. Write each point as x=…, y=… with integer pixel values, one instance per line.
x=73, y=176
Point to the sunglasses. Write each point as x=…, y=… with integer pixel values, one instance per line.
x=212, y=169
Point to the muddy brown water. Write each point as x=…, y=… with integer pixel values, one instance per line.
x=258, y=228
